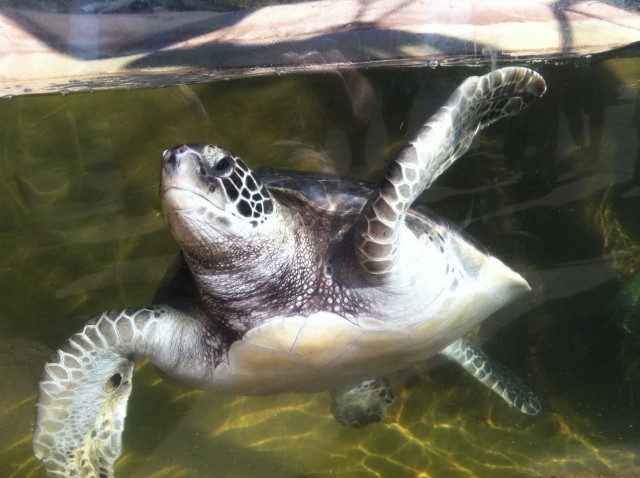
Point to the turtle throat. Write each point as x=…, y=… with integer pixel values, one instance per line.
x=241, y=279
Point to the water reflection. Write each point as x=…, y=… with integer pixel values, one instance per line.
x=554, y=193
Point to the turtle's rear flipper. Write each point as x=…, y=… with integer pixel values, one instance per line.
x=494, y=376
x=363, y=403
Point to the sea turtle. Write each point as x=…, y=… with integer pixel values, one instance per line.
x=295, y=283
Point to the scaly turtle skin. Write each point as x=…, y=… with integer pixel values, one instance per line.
x=295, y=285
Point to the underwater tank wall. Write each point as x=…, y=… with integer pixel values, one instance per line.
x=554, y=193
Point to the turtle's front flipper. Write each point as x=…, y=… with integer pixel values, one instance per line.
x=478, y=102
x=85, y=386
x=493, y=375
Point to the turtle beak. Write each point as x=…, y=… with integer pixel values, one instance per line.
x=169, y=161
x=185, y=182
x=180, y=168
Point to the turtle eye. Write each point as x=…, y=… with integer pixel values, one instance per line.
x=223, y=165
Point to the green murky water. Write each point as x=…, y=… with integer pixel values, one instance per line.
x=555, y=193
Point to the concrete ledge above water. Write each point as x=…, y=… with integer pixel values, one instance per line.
x=44, y=52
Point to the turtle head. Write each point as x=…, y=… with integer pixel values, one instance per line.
x=209, y=192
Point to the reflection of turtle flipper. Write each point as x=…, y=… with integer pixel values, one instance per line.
x=493, y=375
